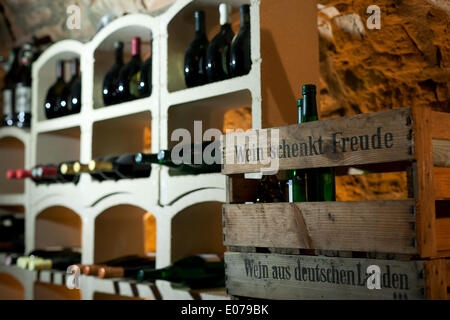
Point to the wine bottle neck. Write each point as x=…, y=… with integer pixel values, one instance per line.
x=119, y=53
x=300, y=110
x=100, y=166
x=142, y=158
x=309, y=103
x=75, y=67
x=136, y=46
x=225, y=14
x=245, y=16
x=200, y=22
x=60, y=70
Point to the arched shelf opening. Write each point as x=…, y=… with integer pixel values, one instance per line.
x=44, y=69
x=229, y=111
x=121, y=29
x=49, y=291
x=58, y=226
x=124, y=230
x=11, y=288
x=12, y=152
x=197, y=229
x=126, y=134
x=57, y=146
x=181, y=30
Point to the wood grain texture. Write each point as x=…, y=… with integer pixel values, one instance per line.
x=440, y=128
x=436, y=279
x=441, y=183
x=370, y=226
x=362, y=139
x=425, y=203
x=443, y=234
x=340, y=278
x=441, y=153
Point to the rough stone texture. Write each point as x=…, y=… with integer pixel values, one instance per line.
x=405, y=63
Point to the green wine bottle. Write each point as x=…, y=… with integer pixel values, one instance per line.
x=297, y=192
x=320, y=181
x=164, y=157
x=194, y=271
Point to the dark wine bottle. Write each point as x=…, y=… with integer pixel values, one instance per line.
x=24, y=261
x=145, y=81
x=74, y=86
x=269, y=190
x=127, y=85
x=126, y=261
x=193, y=163
x=60, y=261
x=52, y=101
x=320, y=182
x=23, y=88
x=11, y=68
x=297, y=191
x=123, y=167
x=195, y=272
x=218, y=53
x=195, y=56
x=240, y=57
x=79, y=168
x=111, y=77
x=126, y=269
x=12, y=234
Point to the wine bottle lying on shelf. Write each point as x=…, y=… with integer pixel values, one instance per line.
x=122, y=262
x=193, y=163
x=59, y=259
x=53, y=174
x=196, y=272
x=123, y=167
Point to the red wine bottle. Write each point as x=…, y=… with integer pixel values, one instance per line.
x=23, y=88
x=11, y=174
x=52, y=101
x=218, y=54
x=240, y=57
x=127, y=85
x=145, y=81
x=53, y=174
x=74, y=88
x=8, y=89
x=110, y=81
x=195, y=56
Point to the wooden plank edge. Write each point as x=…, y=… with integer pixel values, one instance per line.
x=439, y=125
x=436, y=279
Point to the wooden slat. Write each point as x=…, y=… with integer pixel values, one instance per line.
x=289, y=277
x=436, y=279
x=370, y=226
x=440, y=125
x=425, y=203
x=441, y=153
x=324, y=143
x=441, y=183
x=443, y=234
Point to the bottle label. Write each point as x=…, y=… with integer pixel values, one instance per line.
x=23, y=99
x=134, y=84
x=7, y=102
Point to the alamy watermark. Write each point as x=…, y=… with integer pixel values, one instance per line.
x=73, y=21
x=374, y=21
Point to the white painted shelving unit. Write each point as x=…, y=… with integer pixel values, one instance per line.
x=90, y=214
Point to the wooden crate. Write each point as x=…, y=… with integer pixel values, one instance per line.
x=288, y=277
x=416, y=141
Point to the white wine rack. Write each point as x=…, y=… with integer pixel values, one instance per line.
x=107, y=219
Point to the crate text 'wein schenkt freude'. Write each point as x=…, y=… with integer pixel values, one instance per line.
x=405, y=242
